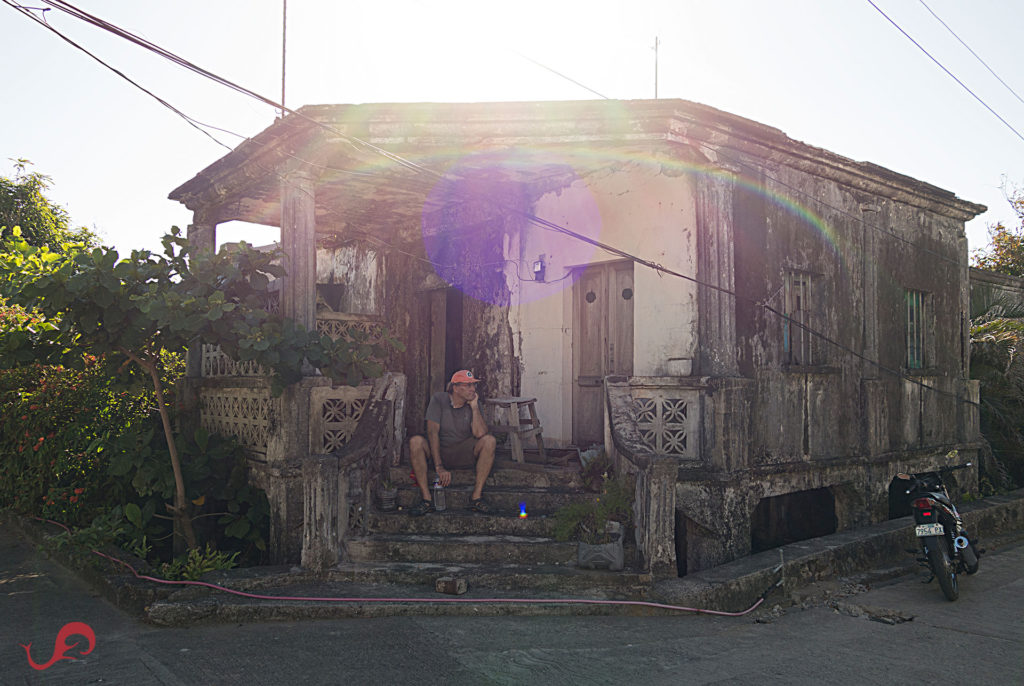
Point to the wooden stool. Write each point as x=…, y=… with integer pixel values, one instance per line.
x=519, y=427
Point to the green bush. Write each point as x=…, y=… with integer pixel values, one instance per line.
x=53, y=422
x=76, y=445
x=587, y=521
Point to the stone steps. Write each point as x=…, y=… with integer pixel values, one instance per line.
x=501, y=551
x=504, y=474
x=460, y=522
x=505, y=500
x=501, y=577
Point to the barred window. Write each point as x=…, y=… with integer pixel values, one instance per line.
x=917, y=329
x=797, y=343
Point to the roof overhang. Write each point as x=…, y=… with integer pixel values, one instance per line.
x=378, y=165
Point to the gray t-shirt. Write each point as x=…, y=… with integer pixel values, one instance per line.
x=456, y=423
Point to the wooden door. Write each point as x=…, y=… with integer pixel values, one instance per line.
x=444, y=352
x=602, y=342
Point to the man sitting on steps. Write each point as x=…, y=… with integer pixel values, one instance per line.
x=456, y=438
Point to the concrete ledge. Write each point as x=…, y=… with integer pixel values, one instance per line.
x=121, y=589
x=731, y=587
x=737, y=585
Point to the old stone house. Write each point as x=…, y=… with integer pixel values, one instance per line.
x=764, y=332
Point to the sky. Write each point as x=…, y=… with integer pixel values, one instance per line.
x=835, y=74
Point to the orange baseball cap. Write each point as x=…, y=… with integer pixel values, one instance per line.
x=463, y=376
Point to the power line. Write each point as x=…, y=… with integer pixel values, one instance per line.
x=558, y=73
x=358, y=143
x=66, y=7
x=976, y=55
x=192, y=122
x=948, y=72
x=790, y=187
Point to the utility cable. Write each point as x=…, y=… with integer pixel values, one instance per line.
x=976, y=55
x=798, y=191
x=948, y=72
x=557, y=73
x=70, y=9
x=358, y=143
x=192, y=122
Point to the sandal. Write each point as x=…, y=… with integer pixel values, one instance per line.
x=425, y=507
x=480, y=505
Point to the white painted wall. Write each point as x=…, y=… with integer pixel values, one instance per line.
x=639, y=209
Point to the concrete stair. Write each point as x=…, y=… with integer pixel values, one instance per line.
x=499, y=551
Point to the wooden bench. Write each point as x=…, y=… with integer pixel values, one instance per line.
x=518, y=427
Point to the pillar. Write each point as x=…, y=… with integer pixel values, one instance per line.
x=202, y=235
x=298, y=240
x=716, y=266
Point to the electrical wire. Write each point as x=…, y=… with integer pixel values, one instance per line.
x=73, y=11
x=192, y=122
x=558, y=73
x=948, y=72
x=976, y=55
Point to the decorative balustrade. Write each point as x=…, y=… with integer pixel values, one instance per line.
x=248, y=414
x=668, y=418
x=339, y=325
x=335, y=414
x=336, y=325
x=217, y=364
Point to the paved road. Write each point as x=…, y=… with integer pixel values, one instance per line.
x=978, y=639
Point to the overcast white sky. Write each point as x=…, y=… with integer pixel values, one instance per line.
x=832, y=73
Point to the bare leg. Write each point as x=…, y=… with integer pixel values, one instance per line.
x=419, y=449
x=484, y=451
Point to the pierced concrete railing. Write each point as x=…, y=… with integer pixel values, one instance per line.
x=342, y=469
x=654, y=504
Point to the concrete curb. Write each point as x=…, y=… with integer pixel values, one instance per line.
x=737, y=585
x=732, y=587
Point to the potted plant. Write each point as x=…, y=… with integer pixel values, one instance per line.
x=598, y=525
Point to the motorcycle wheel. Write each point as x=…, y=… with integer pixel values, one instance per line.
x=942, y=566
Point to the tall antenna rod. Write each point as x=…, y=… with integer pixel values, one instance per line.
x=655, y=67
x=284, y=44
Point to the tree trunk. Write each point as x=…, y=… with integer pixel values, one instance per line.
x=182, y=521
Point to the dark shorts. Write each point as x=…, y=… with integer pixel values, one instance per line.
x=459, y=455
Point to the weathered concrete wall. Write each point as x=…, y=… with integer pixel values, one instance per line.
x=733, y=203
x=353, y=276
x=643, y=208
x=988, y=287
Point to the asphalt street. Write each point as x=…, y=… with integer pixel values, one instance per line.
x=903, y=631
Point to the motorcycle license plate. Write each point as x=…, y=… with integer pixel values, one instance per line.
x=929, y=530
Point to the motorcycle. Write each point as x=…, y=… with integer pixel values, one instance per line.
x=944, y=542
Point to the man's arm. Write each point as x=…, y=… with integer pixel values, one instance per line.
x=479, y=426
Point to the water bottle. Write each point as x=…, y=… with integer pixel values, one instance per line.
x=439, y=503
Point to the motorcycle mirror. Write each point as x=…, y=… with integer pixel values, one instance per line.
x=905, y=477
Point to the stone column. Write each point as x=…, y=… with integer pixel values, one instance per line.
x=725, y=424
x=202, y=234
x=298, y=240
x=870, y=215
x=716, y=266
x=325, y=497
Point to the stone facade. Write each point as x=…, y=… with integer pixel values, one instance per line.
x=762, y=331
